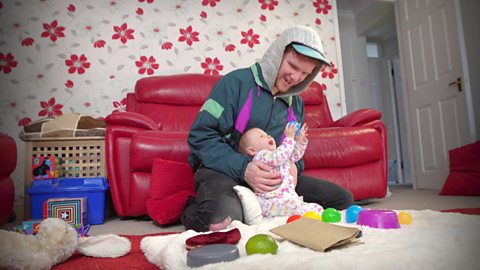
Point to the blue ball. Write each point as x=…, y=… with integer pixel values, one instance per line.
x=352, y=213
x=297, y=125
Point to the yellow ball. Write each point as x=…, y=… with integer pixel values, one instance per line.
x=404, y=218
x=313, y=214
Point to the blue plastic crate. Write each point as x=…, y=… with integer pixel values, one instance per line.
x=91, y=188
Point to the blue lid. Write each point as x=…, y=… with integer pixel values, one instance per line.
x=60, y=185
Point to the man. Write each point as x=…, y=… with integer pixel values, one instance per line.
x=266, y=96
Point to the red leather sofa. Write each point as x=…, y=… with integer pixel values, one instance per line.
x=351, y=151
x=7, y=190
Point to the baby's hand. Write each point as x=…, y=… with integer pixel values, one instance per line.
x=302, y=135
x=290, y=130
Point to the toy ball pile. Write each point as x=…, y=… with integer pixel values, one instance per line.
x=331, y=215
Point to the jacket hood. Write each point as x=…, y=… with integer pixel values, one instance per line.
x=271, y=60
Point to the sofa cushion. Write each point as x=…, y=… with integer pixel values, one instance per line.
x=252, y=211
x=342, y=147
x=171, y=183
x=464, y=177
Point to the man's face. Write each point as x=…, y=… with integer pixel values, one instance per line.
x=293, y=70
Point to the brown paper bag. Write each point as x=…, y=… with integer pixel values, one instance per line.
x=317, y=235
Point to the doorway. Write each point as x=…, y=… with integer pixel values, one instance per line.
x=372, y=74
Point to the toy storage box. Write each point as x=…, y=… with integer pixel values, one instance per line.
x=91, y=188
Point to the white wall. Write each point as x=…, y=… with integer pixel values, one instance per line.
x=471, y=21
x=355, y=64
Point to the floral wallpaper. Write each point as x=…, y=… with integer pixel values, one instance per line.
x=64, y=56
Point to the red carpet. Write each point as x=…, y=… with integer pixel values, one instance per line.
x=133, y=260
x=469, y=211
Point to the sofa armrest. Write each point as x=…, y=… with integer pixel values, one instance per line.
x=132, y=119
x=358, y=118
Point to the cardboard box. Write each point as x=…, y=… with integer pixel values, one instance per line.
x=91, y=188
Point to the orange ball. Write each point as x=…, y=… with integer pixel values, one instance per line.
x=293, y=218
x=404, y=218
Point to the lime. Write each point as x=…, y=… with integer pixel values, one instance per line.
x=261, y=244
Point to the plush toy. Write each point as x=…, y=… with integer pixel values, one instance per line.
x=54, y=243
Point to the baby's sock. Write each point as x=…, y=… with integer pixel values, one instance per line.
x=221, y=225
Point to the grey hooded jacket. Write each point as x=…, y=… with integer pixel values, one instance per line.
x=242, y=100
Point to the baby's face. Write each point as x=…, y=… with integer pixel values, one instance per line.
x=261, y=140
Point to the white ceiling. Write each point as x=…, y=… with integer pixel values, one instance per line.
x=375, y=19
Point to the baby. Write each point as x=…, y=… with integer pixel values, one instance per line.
x=283, y=201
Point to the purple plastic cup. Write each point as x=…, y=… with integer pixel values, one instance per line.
x=382, y=219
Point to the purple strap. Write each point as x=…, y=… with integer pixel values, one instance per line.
x=291, y=115
x=244, y=115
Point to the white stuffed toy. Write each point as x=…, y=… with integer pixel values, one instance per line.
x=54, y=243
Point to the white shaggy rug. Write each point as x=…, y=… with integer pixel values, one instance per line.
x=434, y=240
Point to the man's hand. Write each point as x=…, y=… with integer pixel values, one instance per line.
x=260, y=177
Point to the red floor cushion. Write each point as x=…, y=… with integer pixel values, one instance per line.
x=464, y=177
x=171, y=184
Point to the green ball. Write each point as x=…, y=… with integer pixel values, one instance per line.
x=331, y=215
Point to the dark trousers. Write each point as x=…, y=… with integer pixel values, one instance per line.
x=216, y=199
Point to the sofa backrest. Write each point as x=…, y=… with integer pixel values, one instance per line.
x=317, y=112
x=173, y=101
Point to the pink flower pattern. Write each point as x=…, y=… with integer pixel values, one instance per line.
x=322, y=6
x=7, y=63
x=167, y=46
x=329, y=71
x=268, y=4
x=120, y=106
x=188, y=35
x=53, y=31
x=24, y=121
x=99, y=43
x=211, y=67
x=71, y=8
x=67, y=34
x=230, y=48
x=212, y=3
x=49, y=108
x=69, y=84
x=77, y=64
x=123, y=33
x=146, y=64
x=250, y=38
x=27, y=42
